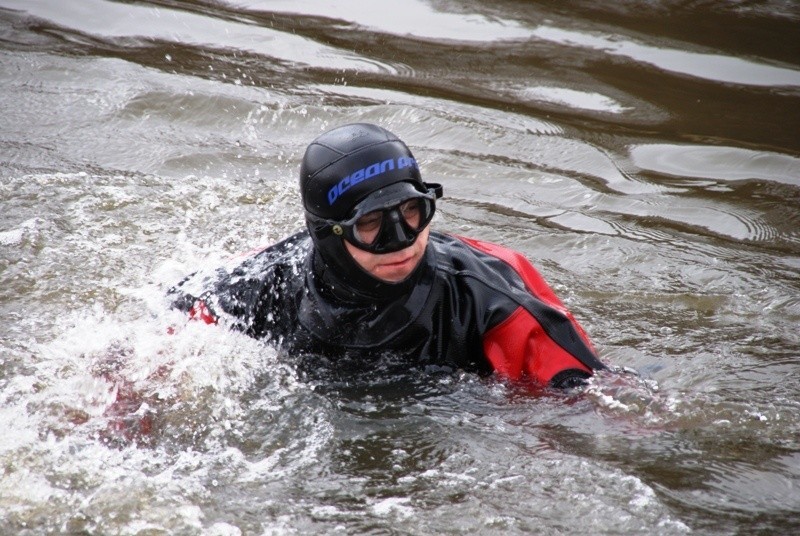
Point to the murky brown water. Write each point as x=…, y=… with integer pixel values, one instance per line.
x=645, y=154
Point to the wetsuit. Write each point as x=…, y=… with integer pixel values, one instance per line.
x=470, y=305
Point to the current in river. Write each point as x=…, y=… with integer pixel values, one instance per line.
x=644, y=154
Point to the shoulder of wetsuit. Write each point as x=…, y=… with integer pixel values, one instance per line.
x=182, y=301
x=243, y=275
x=522, y=283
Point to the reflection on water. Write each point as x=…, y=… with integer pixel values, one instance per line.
x=404, y=18
x=643, y=154
x=715, y=67
x=109, y=20
x=717, y=162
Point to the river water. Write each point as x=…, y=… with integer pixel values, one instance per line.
x=644, y=154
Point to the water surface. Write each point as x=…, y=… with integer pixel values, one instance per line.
x=643, y=154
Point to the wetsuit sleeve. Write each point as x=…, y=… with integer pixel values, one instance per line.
x=201, y=311
x=196, y=308
x=541, y=339
x=519, y=347
x=255, y=292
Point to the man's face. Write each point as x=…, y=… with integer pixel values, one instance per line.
x=395, y=266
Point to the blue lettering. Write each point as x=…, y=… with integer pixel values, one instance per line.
x=404, y=162
x=387, y=165
x=373, y=170
x=345, y=184
x=357, y=177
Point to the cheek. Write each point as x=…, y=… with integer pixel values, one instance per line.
x=422, y=239
x=363, y=258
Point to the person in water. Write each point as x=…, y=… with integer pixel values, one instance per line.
x=368, y=277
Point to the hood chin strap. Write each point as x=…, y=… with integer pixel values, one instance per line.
x=373, y=317
x=359, y=286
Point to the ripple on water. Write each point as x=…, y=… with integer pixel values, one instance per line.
x=716, y=162
x=111, y=21
x=583, y=100
x=402, y=18
x=705, y=65
x=727, y=192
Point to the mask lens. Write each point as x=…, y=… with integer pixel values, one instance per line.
x=414, y=213
x=367, y=227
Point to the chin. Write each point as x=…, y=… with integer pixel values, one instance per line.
x=394, y=277
x=396, y=274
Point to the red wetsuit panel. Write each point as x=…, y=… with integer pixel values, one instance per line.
x=532, y=278
x=200, y=311
x=519, y=346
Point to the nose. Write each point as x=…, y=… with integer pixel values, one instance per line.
x=396, y=234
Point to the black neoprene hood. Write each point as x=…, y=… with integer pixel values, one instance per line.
x=339, y=169
x=344, y=165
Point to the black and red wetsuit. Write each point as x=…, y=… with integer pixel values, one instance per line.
x=470, y=305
